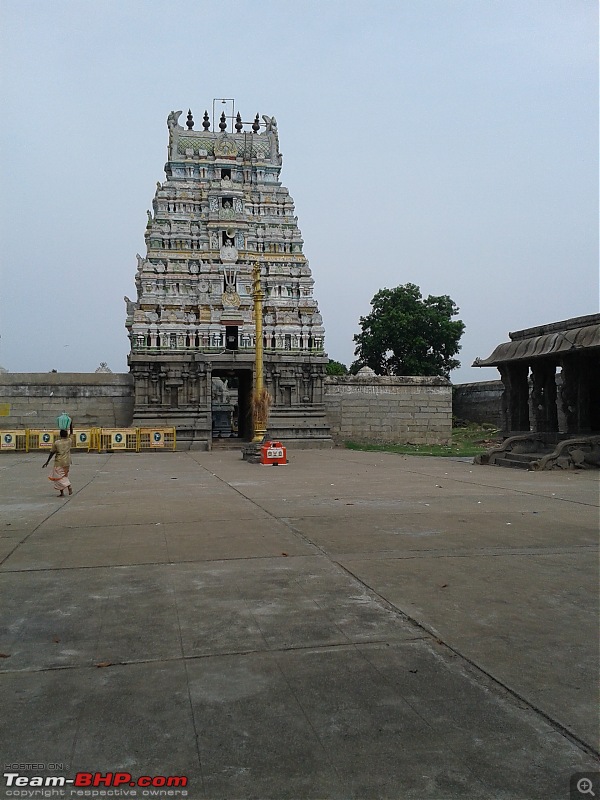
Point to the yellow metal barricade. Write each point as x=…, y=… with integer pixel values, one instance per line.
x=95, y=434
x=117, y=439
x=13, y=440
x=85, y=438
x=40, y=440
x=157, y=438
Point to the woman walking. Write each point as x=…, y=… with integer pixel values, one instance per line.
x=61, y=450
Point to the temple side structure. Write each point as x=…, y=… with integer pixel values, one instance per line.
x=221, y=209
x=551, y=398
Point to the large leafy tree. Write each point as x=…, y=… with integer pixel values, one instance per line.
x=336, y=368
x=406, y=334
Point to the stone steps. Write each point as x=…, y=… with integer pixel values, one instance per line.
x=517, y=460
x=228, y=443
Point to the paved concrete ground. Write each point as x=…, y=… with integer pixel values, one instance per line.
x=352, y=625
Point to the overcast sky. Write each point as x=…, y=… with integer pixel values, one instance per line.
x=447, y=143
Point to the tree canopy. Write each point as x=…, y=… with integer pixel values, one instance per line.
x=406, y=334
x=336, y=368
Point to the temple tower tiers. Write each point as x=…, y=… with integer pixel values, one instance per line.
x=192, y=330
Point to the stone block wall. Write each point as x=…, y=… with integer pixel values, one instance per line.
x=360, y=408
x=478, y=402
x=35, y=399
x=380, y=409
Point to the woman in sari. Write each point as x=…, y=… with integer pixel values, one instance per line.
x=61, y=450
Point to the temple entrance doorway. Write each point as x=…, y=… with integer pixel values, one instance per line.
x=230, y=405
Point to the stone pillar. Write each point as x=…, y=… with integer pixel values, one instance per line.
x=274, y=391
x=154, y=394
x=191, y=378
x=515, y=398
x=575, y=393
x=299, y=374
x=317, y=386
x=185, y=385
x=592, y=373
x=172, y=388
x=569, y=395
x=200, y=385
x=141, y=389
x=162, y=386
x=543, y=397
x=562, y=418
x=208, y=387
x=306, y=386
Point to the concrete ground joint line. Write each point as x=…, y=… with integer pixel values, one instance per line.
x=18, y=463
x=324, y=611
x=308, y=721
x=39, y=525
x=558, y=726
x=562, y=729
x=423, y=718
x=154, y=562
x=144, y=524
x=204, y=656
x=193, y=716
x=253, y=615
x=494, y=486
x=277, y=519
x=438, y=554
x=187, y=682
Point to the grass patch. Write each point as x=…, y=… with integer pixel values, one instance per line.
x=467, y=441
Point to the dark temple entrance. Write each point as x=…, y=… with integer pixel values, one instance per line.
x=230, y=405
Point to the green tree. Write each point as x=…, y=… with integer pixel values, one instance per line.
x=336, y=368
x=406, y=334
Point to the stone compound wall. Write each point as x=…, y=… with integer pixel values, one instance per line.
x=478, y=402
x=360, y=408
x=380, y=409
x=35, y=399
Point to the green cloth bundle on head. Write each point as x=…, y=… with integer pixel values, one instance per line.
x=64, y=421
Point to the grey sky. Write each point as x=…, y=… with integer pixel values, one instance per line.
x=449, y=143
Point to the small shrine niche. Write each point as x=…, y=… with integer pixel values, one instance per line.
x=231, y=337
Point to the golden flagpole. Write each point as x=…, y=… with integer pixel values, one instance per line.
x=260, y=398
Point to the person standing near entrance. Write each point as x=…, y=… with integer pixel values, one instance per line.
x=61, y=450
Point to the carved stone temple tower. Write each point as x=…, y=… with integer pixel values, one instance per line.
x=192, y=330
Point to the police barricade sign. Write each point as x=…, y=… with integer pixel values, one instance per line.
x=45, y=439
x=83, y=439
x=157, y=439
x=118, y=440
x=114, y=438
x=9, y=440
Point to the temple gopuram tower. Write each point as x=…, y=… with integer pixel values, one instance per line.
x=221, y=209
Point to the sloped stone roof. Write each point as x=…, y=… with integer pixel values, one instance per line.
x=580, y=333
